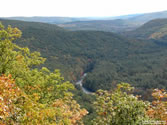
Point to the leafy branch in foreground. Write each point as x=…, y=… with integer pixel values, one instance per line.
x=17, y=107
x=118, y=107
x=39, y=96
x=158, y=109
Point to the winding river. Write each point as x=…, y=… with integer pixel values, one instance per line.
x=80, y=83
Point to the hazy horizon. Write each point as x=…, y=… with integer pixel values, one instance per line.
x=91, y=16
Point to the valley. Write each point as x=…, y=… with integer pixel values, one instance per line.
x=111, y=58
x=107, y=57
x=83, y=62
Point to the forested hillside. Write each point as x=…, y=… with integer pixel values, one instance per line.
x=153, y=30
x=33, y=94
x=108, y=58
x=72, y=52
x=29, y=94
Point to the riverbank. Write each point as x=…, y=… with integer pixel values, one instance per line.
x=80, y=82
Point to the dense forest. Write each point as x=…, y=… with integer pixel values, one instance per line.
x=108, y=58
x=34, y=94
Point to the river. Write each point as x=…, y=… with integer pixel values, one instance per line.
x=80, y=83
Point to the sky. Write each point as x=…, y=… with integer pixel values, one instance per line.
x=79, y=8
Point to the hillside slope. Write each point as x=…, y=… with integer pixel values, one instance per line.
x=143, y=18
x=72, y=52
x=108, y=58
x=117, y=25
x=154, y=29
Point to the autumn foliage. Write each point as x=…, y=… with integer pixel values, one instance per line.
x=32, y=95
x=17, y=107
x=37, y=96
x=118, y=107
x=158, y=109
x=9, y=95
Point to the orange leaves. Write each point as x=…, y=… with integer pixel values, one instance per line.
x=17, y=107
x=70, y=110
x=8, y=96
x=159, y=94
x=158, y=109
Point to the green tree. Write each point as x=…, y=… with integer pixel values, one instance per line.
x=39, y=96
x=21, y=63
x=118, y=107
x=14, y=59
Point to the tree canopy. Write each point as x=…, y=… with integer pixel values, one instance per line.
x=32, y=95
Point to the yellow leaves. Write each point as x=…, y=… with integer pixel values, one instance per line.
x=19, y=58
x=36, y=96
x=13, y=33
x=124, y=86
x=58, y=103
x=70, y=110
x=9, y=33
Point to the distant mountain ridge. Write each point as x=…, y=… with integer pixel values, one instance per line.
x=62, y=20
x=143, y=18
x=51, y=20
x=116, y=25
x=109, y=24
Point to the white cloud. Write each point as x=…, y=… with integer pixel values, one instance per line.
x=78, y=8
